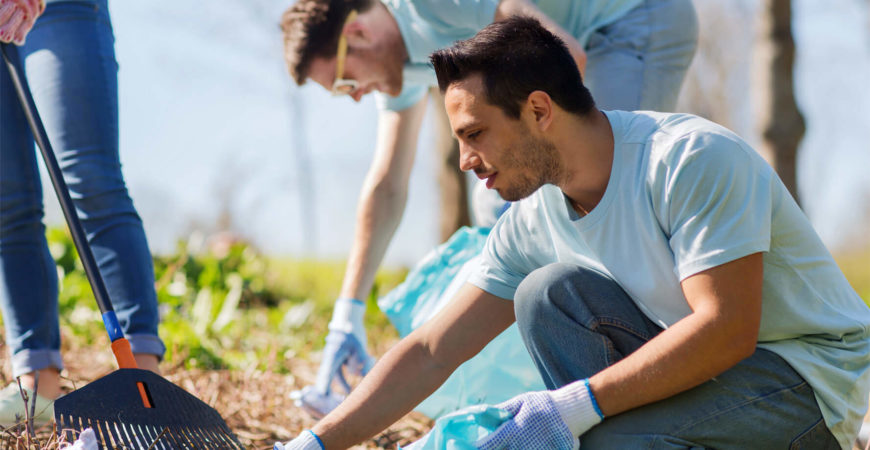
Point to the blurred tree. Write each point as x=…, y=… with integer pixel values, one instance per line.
x=781, y=123
x=719, y=74
x=452, y=186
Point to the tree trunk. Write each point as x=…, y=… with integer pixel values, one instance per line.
x=781, y=123
x=452, y=187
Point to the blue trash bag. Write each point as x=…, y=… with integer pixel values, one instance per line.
x=502, y=370
x=461, y=429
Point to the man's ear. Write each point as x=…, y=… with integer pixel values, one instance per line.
x=541, y=106
x=358, y=32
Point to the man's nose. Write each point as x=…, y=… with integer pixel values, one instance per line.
x=468, y=159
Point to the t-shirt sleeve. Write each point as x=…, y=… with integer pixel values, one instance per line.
x=718, y=204
x=502, y=265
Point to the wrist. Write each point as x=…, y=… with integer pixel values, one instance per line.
x=577, y=406
x=347, y=314
x=306, y=440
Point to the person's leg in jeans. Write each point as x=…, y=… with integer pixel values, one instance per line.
x=71, y=68
x=28, y=278
x=639, y=61
x=576, y=322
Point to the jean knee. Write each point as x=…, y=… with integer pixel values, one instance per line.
x=542, y=292
x=100, y=194
x=21, y=219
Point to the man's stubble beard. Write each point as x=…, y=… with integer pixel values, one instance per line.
x=537, y=163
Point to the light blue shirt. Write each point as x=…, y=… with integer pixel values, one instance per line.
x=686, y=195
x=429, y=25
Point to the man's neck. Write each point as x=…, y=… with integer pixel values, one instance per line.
x=586, y=146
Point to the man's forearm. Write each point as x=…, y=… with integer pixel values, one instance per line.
x=398, y=382
x=685, y=355
x=721, y=331
x=383, y=197
x=378, y=216
x=416, y=366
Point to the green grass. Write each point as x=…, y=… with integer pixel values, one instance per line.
x=856, y=266
x=227, y=308
x=230, y=307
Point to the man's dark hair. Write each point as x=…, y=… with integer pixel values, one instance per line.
x=311, y=29
x=515, y=57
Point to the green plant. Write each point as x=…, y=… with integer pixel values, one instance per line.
x=225, y=306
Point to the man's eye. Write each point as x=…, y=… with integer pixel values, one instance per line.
x=473, y=134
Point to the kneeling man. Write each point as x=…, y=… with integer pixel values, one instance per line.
x=667, y=286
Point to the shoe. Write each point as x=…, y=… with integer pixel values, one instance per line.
x=12, y=407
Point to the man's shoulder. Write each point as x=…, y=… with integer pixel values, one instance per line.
x=675, y=138
x=644, y=127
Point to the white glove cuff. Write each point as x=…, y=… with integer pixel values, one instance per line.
x=306, y=440
x=347, y=312
x=577, y=406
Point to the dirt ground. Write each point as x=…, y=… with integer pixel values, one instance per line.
x=255, y=404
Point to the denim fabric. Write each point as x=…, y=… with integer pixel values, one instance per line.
x=639, y=61
x=70, y=65
x=576, y=322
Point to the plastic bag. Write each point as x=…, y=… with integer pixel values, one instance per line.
x=459, y=430
x=502, y=370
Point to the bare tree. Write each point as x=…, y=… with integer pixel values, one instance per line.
x=452, y=187
x=781, y=123
x=719, y=74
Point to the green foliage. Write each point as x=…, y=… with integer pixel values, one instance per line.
x=224, y=305
x=856, y=266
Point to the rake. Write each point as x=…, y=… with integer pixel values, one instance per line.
x=130, y=407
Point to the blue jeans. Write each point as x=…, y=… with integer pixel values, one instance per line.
x=69, y=61
x=576, y=322
x=639, y=61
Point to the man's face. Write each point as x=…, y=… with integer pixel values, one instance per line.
x=498, y=148
x=375, y=63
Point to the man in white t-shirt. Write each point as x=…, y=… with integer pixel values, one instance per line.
x=634, y=53
x=670, y=291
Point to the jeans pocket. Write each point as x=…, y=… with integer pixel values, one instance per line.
x=815, y=437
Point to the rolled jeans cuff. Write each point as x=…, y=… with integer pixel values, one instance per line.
x=147, y=343
x=27, y=361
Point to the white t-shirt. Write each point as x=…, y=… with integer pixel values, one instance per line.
x=686, y=195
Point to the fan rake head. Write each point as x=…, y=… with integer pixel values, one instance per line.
x=137, y=409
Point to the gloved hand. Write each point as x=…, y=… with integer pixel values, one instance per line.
x=306, y=440
x=345, y=347
x=17, y=17
x=546, y=419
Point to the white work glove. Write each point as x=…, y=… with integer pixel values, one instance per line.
x=306, y=440
x=17, y=17
x=345, y=347
x=546, y=419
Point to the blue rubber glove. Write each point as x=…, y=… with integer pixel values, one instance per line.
x=345, y=349
x=546, y=419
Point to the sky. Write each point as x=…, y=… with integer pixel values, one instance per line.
x=212, y=123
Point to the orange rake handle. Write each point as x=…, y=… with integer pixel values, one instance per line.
x=124, y=356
